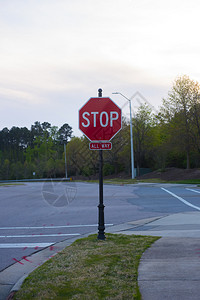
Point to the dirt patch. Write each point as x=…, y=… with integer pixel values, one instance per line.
x=173, y=174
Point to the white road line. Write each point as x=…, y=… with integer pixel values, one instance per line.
x=193, y=191
x=52, y=227
x=181, y=199
x=38, y=235
x=25, y=245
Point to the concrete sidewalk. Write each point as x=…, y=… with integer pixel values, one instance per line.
x=170, y=269
x=176, y=225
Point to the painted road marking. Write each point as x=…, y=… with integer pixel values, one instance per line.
x=52, y=227
x=39, y=245
x=181, y=199
x=38, y=235
x=193, y=191
x=25, y=245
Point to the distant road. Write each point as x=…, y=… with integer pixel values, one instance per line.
x=30, y=220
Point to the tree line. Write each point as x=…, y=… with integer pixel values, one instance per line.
x=34, y=153
x=168, y=138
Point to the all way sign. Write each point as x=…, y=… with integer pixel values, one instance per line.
x=100, y=146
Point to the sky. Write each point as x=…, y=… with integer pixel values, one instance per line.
x=56, y=54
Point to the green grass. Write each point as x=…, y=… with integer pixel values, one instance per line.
x=90, y=269
x=120, y=181
x=10, y=184
x=150, y=180
x=129, y=181
x=188, y=181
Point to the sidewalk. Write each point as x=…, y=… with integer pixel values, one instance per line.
x=170, y=269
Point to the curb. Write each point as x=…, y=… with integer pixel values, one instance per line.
x=41, y=256
x=16, y=287
x=18, y=284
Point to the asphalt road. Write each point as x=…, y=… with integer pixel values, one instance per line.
x=36, y=215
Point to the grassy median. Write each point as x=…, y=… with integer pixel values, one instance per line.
x=90, y=269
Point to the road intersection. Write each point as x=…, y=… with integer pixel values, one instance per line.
x=32, y=230
x=28, y=223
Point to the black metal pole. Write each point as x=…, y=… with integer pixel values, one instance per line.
x=101, y=225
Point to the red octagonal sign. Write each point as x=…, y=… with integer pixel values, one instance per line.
x=100, y=119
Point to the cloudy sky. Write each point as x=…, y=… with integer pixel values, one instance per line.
x=55, y=54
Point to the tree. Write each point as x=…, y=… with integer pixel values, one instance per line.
x=4, y=142
x=142, y=123
x=36, y=129
x=23, y=151
x=45, y=126
x=177, y=111
x=54, y=133
x=6, y=169
x=194, y=115
x=64, y=133
x=74, y=159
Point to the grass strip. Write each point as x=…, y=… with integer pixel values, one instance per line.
x=90, y=269
x=10, y=184
x=188, y=181
x=121, y=181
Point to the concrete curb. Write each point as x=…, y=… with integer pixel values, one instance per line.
x=18, y=284
x=12, y=277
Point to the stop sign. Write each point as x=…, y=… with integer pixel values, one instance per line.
x=100, y=119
